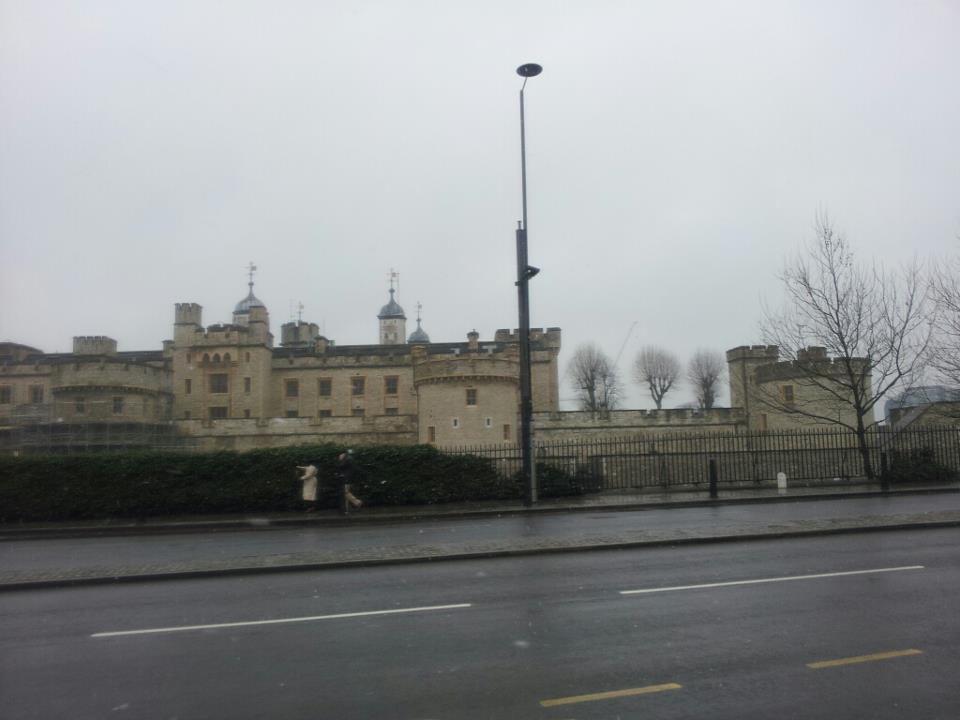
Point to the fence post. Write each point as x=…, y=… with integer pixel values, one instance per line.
x=713, y=479
x=884, y=475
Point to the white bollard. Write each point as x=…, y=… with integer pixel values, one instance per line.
x=782, y=483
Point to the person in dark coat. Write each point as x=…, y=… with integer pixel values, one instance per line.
x=347, y=473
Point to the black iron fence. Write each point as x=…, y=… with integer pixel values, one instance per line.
x=675, y=460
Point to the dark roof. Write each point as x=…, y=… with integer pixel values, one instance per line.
x=392, y=309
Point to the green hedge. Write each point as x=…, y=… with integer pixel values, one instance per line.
x=148, y=484
x=918, y=465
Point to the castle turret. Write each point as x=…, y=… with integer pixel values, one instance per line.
x=742, y=364
x=393, y=321
x=242, y=310
x=298, y=334
x=94, y=345
x=418, y=336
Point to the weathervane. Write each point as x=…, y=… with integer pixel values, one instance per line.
x=251, y=269
x=394, y=275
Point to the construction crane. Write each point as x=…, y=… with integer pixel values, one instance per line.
x=623, y=347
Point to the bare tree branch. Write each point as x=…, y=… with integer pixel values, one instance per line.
x=853, y=333
x=705, y=373
x=945, y=291
x=595, y=379
x=658, y=369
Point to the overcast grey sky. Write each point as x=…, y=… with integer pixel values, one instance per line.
x=677, y=153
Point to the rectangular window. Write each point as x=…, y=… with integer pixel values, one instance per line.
x=431, y=434
x=357, y=412
x=292, y=413
x=187, y=386
x=118, y=406
x=488, y=422
x=390, y=385
x=323, y=387
x=471, y=396
x=186, y=414
x=36, y=394
x=218, y=413
x=6, y=394
x=246, y=413
x=247, y=384
x=292, y=388
x=325, y=413
x=80, y=405
x=356, y=386
x=506, y=432
x=456, y=423
x=391, y=411
x=218, y=384
x=786, y=393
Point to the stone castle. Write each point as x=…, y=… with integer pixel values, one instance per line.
x=229, y=386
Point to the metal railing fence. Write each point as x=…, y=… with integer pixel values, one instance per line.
x=676, y=460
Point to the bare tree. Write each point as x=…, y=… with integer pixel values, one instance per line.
x=705, y=373
x=658, y=369
x=855, y=334
x=595, y=379
x=945, y=293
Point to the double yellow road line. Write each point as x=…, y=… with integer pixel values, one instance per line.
x=630, y=692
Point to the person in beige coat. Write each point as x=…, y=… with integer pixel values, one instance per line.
x=309, y=479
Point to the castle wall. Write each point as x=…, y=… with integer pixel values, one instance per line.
x=312, y=375
x=468, y=399
x=19, y=385
x=468, y=411
x=578, y=425
x=800, y=394
x=244, y=434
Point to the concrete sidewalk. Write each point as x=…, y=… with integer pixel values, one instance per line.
x=616, y=501
x=197, y=566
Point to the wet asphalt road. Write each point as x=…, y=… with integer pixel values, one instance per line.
x=508, y=635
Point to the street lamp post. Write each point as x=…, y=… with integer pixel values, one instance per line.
x=525, y=271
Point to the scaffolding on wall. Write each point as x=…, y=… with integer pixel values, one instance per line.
x=34, y=430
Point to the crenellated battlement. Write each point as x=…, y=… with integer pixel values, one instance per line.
x=188, y=314
x=440, y=368
x=94, y=345
x=298, y=334
x=549, y=338
x=766, y=353
x=801, y=369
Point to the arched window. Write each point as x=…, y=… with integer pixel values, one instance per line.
x=206, y=358
x=216, y=358
x=226, y=357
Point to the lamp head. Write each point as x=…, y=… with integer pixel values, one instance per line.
x=529, y=70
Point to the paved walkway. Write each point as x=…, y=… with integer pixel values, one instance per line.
x=241, y=553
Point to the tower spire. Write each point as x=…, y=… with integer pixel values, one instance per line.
x=251, y=269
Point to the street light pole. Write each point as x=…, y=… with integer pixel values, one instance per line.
x=525, y=271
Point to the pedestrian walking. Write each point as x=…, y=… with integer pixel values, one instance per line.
x=347, y=474
x=309, y=479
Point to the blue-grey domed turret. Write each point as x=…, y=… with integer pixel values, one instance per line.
x=418, y=336
x=392, y=309
x=248, y=302
x=241, y=311
x=393, y=322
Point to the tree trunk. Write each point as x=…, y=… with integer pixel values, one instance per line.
x=864, y=449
